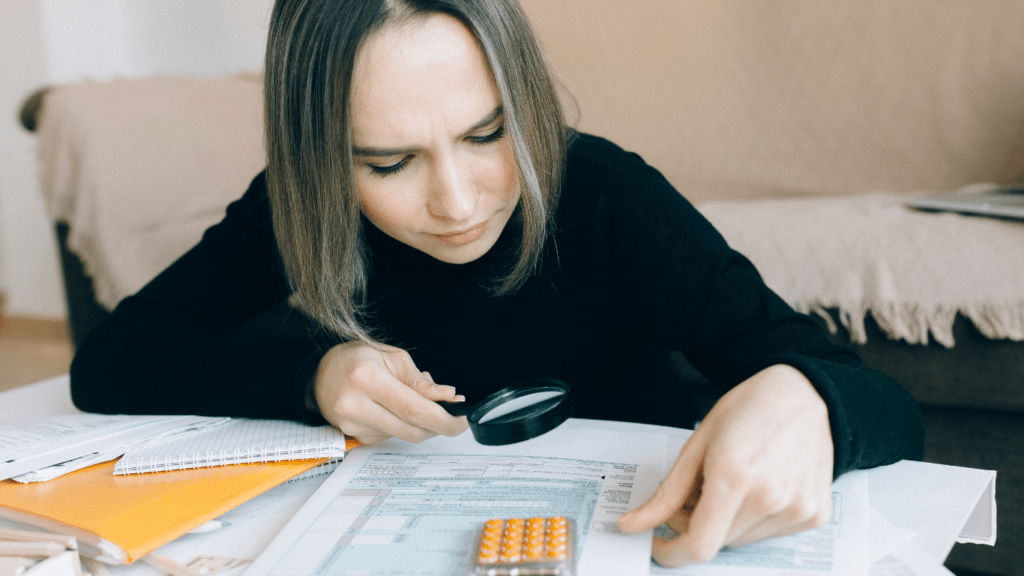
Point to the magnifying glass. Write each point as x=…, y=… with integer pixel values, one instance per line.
x=519, y=412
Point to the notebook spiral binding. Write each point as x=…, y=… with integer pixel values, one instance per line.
x=144, y=465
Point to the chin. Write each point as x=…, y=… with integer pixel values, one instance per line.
x=457, y=256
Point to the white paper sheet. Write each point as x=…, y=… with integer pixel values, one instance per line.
x=908, y=560
x=980, y=527
x=935, y=501
x=401, y=505
x=886, y=537
x=61, y=439
x=36, y=402
x=174, y=428
x=62, y=468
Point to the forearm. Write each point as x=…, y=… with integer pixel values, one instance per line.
x=136, y=364
x=874, y=420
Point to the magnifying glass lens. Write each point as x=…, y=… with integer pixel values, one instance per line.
x=517, y=413
x=522, y=407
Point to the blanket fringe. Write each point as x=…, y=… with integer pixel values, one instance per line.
x=918, y=324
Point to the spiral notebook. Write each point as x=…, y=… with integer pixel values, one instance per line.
x=240, y=441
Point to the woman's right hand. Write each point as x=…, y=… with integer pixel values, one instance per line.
x=374, y=393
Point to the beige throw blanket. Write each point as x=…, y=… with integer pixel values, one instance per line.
x=912, y=271
x=140, y=168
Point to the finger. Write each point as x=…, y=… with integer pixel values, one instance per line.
x=404, y=369
x=680, y=485
x=770, y=527
x=443, y=390
x=803, y=515
x=412, y=408
x=371, y=440
x=707, y=530
x=680, y=521
x=376, y=421
x=762, y=507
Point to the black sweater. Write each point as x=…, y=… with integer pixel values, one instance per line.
x=631, y=273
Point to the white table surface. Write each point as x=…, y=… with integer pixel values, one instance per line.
x=932, y=500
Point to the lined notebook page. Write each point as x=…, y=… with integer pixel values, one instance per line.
x=239, y=441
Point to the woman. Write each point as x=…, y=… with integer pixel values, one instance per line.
x=428, y=229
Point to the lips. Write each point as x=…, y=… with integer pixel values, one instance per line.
x=462, y=237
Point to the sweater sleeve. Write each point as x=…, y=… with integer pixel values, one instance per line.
x=212, y=334
x=672, y=277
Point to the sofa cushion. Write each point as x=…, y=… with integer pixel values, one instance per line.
x=977, y=373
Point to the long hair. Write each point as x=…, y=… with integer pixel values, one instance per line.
x=311, y=52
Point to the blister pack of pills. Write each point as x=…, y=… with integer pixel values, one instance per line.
x=526, y=547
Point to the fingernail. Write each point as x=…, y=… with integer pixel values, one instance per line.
x=459, y=398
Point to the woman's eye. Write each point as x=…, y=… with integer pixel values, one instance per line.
x=489, y=138
x=384, y=171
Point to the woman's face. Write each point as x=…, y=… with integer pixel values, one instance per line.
x=432, y=165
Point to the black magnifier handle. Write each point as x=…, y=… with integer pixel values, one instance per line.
x=457, y=408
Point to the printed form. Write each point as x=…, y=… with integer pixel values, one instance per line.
x=403, y=508
x=415, y=508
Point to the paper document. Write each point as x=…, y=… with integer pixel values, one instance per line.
x=399, y=505
x=908, y=560
x=179, y=426
x=840, y=547
x=886, y=537
x=27, y=448
x=967, y=512
x=62, y=468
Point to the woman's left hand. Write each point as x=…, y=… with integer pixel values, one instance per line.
x=759, y=465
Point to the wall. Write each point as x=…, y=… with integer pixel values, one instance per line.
x=46, y=42
x=28, y=262
x=747, y=98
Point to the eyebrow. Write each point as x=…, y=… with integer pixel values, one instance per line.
x=384, y=152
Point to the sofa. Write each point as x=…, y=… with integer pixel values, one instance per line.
x=798, y=129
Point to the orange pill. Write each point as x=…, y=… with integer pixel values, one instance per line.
x=558, y=553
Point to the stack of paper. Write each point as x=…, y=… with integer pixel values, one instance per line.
x=25, y=553
x=45, y=450
x=218, y=464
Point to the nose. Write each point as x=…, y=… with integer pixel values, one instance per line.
x=452, y=196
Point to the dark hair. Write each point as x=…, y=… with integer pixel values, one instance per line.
x=311, y=52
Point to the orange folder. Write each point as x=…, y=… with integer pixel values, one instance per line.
x=119, y=519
